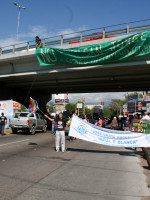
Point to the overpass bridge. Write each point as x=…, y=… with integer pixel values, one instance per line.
x=21, y=76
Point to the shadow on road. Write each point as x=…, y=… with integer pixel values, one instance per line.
x=124, y=153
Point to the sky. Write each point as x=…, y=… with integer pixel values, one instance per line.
x=47, y=18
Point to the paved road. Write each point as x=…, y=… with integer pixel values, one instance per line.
x=30, y=169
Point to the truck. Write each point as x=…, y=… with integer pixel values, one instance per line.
x=25, y=122
x=98, y=112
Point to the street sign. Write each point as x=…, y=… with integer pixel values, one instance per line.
x=79, y=105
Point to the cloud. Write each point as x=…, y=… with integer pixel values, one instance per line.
x=9, y=41
x=39, y=30
x=6, y=42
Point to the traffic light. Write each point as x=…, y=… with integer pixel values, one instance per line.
x=83, y=99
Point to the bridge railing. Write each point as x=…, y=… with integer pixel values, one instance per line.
x=81, y=36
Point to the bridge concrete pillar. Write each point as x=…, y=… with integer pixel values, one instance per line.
x=23, y=96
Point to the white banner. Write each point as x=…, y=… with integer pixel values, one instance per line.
x=91, y=133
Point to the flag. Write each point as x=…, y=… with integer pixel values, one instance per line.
x=33, y=106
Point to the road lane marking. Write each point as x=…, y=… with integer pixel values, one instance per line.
x=13, y=143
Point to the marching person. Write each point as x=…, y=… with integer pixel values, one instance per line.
x=3, y=119
x=60, y=133
x=114, y=124
x=127, y=124
x=100, y=122
x=146, y=116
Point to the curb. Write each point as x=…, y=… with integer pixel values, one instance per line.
x=147, y=154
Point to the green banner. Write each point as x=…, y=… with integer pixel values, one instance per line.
x=120, y=50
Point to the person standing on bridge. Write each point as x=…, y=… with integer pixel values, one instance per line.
x=60, y=133
x=38, y=42
x=3, y=119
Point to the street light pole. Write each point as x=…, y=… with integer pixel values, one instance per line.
x=18, y=24
x=19, y=6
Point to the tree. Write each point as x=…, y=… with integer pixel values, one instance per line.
x=23, y=108
x=89, y=112
x=140, y=95
x=108, y=112
x=117, y=105
x=50, y=107
x=70, y=108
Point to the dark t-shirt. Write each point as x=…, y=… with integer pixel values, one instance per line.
x=60, y=124
x=2, y=120
x=127, y=123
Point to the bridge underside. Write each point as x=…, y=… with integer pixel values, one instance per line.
x=114, y=78
x=21, y=76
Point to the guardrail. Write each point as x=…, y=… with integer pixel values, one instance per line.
x=79, y=36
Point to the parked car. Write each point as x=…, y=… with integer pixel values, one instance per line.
x=25, y=123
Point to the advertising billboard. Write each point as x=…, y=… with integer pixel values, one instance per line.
x=16, y=105
x=6, y=107
x=132, y=103
x=61, y=98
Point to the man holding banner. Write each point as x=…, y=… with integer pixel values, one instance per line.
x=60, y=133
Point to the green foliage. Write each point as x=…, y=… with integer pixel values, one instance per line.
x=108, y=112
x=117, y=106
x=50, y=108
x=89, y=112
x=23, y=108
x=70, y=108
x=140, y=95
